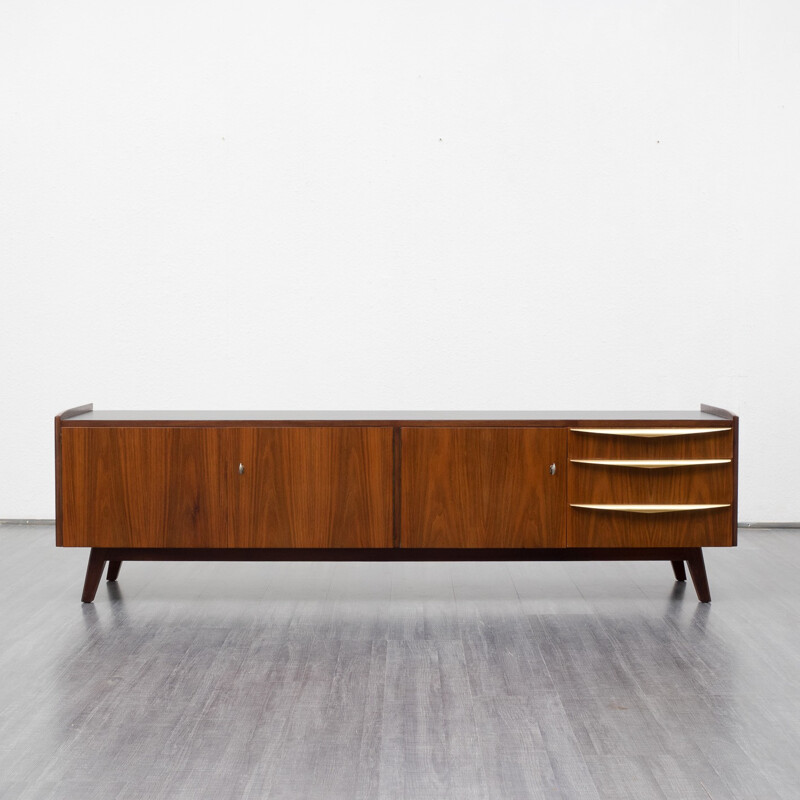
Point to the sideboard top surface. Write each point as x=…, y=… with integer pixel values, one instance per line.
x=388, y=417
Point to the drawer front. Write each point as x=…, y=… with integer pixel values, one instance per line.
x=310, y=486
x=666, y=488
x=611, y=444
x=710, y=527
x=681, y=483
x=143, y=487
x=483, y=487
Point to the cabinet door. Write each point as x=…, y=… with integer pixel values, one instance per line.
x=143, y=487
x=483, y=487
x=311, y=487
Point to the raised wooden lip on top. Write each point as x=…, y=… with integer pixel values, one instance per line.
x=85, y=416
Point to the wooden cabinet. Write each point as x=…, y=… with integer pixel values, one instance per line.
x=391, y=485
x=483, y=487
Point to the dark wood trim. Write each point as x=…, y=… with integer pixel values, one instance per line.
x=566, y=468
x=68, y=414
x=679, y=568
x=94, y=573
x=725, y=414
x=59, y=514
x=396, y=554
x=397, y=454
x=716, y=411
x=735, y=504
x=566, y=422
x=77, y=411
x=697, y=569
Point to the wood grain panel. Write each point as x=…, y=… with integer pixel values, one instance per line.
x=703, y=445
x=59, y=512
x=707, y=528
x=592, y=483
x=483, y=487
x=143, y=487
x=310, y=487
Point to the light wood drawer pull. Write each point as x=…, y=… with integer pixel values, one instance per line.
x=650, y=509
x=652, y=463
x=648, y=432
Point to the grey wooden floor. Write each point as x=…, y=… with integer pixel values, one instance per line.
x=399, y=680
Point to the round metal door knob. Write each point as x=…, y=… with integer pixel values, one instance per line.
x=241, y=469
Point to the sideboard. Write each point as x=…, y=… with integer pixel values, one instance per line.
x=252, y=485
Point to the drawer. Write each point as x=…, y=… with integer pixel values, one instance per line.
x=651, y=443
x=688, y=481
x=693, y=527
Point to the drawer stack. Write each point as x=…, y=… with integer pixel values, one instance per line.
x=650, y=487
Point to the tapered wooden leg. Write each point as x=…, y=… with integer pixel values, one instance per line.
x=697, y=569
x=677, y=567
x=113, y=570
x=94, y=572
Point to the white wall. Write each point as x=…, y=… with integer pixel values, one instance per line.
x=400, y=205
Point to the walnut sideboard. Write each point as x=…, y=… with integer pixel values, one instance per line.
x=246, y=485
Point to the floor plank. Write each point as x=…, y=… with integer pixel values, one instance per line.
x=335, y=680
